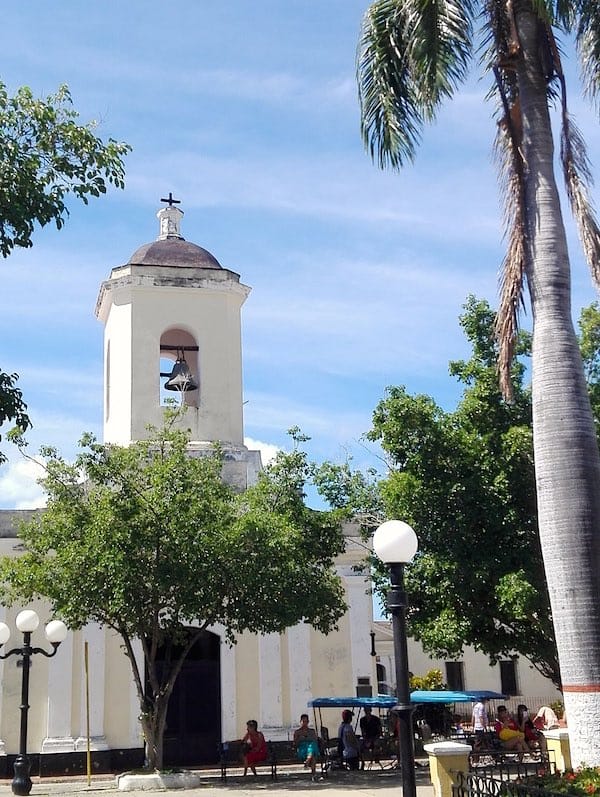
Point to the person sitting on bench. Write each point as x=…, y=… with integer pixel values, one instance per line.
x=507, y=729
x=370, y=730
x=254, y=747
x=306, y=744
x=347, y=742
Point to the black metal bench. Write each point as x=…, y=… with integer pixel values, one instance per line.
x=229, y=755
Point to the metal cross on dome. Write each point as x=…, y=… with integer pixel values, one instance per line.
x=170, y=200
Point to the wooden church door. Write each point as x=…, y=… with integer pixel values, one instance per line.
x=193, y=731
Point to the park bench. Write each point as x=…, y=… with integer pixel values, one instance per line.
x=487, y=752
x=229, y=756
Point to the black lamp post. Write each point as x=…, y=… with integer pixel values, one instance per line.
x=373, y=651
x=395, y=543
x=56, y=631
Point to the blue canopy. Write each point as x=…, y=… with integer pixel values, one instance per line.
x=447, y=696
x=418, y=696
x=380, y=701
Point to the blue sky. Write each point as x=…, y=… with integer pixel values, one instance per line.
x=247, y=112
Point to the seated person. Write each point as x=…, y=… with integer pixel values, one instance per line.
x=508, y=731
x=370, y=731
x=546, y=719
x=306, y=744
x=254, y=747
x=348, y=743
x=535, y=738
x=457, y=728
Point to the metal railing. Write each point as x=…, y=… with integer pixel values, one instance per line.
x=503, y=779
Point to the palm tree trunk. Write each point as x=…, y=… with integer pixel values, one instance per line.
x=567, y=462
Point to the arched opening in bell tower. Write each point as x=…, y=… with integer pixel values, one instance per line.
x=179, y=368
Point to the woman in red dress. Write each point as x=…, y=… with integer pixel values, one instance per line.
x=254, y=747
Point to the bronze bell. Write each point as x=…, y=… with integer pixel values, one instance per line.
x=181, y=378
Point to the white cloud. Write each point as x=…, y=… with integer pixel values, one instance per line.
x=268, y=451
x=18, y=485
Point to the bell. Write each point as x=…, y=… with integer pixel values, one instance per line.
x=181, y=378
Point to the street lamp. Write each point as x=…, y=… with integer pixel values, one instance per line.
x=56, y=632
x=395, y=543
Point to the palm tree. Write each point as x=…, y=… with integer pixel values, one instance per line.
x=412, y=55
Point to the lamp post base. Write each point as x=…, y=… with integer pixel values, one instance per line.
x=406, y=749
x=21, y=783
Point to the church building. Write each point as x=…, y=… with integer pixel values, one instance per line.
x=172, y=320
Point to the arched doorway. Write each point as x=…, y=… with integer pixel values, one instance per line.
x=193, y=730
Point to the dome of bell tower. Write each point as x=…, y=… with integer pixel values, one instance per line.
x=171, y=248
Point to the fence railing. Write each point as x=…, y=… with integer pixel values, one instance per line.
x=503, y=782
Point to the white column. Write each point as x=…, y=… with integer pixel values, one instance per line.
x=270, y=681
x=300, y=667
x=228, y=686
x=360, y=613
x=94, y=636
x=59, y=733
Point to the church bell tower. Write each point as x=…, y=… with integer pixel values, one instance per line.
x=172, y=322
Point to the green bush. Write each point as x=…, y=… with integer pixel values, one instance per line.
x=583, y=781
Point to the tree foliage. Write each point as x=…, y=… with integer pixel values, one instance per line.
x=589, y=343
x=12, y=406
x=149, y=541
x=465, y=480
x=44, y=157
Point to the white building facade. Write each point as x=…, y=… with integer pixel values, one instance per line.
x=174, y=302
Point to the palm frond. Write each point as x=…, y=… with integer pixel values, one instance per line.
x=500, y=46
x=578, y=179
x=496, y=30
x=564, y=14
x=545, y=9
x=501, y=43
x=391, y=119
x=411, y=55
x=588, y=45
x=511, y=177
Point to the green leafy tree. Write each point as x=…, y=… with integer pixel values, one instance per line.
x=433, y=679
x=413, y=55
x=465, y=479
x=589, y=343
x=45, y=156
x=151, y=543
x=12, y=406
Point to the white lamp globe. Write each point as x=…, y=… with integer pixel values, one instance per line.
x=4, y=633
x=27, y=620
x=395, y=542
x=56, y=632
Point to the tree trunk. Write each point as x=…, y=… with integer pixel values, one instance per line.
x=153, y=727
x=567, y=463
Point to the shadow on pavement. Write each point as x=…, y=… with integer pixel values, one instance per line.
x=336, y=780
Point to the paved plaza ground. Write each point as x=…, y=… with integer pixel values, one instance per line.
x=385, y=783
